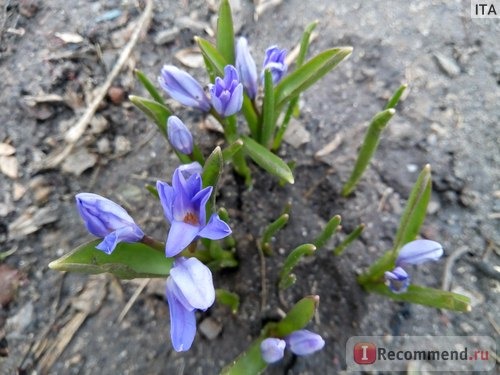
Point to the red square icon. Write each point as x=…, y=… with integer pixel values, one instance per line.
x=365, y=353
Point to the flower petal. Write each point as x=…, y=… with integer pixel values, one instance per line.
x=200, y=202
x=130, y=233
x=419, y=251
x=272, y=349
x=398, y=280
x=304, y=342
x=194, y=281
x=245, y=64
x=167, y=197
x=235, y=102
x=182, y=321
x=179, y=135
x=179, y=237
x=215, y=229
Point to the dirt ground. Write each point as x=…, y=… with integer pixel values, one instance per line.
x=53, y=54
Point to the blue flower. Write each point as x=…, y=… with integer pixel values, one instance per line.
x=189, y=288
x=245, y=65
x=300, y=342
x=106, y=219
x=183, y=87
x=179, y=135
x=413, y=253
x=227, y=94
x=272, y=349
x=184, y=207
x=275, y=62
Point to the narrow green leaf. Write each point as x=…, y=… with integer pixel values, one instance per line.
x=270, y=231
x=415, y=211
x=225, y=32
x=304, y=43
x=305, y=76
x=152, y=189
x=330, y=228
x=291, y=261
x=425, y=296
x=394, y=100
x=251, y=116
x=212, y=56
x=268, y=115
x=348, y=240
x=149, y=86
x=227, y=298
x=128, y=261
x=368, y=148
x=232, y=149
x=212, y=170
x=374, y=274
x=154, y=110
x=250, y=362
x=267, y=160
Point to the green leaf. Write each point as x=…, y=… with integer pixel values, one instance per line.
x=225, y=32
x=232, y=149
x=251, y=116
x=425, y=296
x=304, y=43
x=394, y=100
x=305, y=76
x=212, y=56
x=128, y=261
x=228, y=298
x=152, y=190
x=415, y=210
x=268, y=115
x=250, y=362
x=347, y=241
x=148, y=85
x=368, y=148
x=330, y=228
x=154, y=110
x=291, y=261
x=270, y=231
x=267, y=160
x=374, y=274
x=212, y=170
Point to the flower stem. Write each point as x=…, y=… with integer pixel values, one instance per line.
x=154, y=244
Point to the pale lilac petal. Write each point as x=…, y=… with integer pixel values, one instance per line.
x=179, y=237
x=245, y=64
x=397, y=279
x=200, y=200
x=215, y=229
x=419, y=251
x=272, y=349
x=194, y=281
x=304, y=342
x=182, y=203
x=179, y=135
x=235, y=102
x=182, y=322
x=167, y=197
x=131, y=233
x=190, y=169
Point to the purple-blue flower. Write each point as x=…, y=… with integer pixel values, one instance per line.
x=272, y=349
x=179, y=135
x=106, y=219
x=275, y=62
x=227, y=93
x=414, y=252
x=184, y=207
x=245, y=64
x=189, y=288
x=304, y=342
x=183, y=87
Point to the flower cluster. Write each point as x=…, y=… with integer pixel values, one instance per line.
x=415, y=252
x=301, y=342
x=189, y=286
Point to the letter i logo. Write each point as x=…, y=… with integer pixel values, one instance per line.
x=364, y=353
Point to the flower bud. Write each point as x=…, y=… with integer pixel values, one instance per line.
x=275, y=62
x=179, y=135
x=105, y=218
x=245, y=65
x=272, y=349
x=183, y=87
x=304, y=342
x=227, y=94
x=418, y=252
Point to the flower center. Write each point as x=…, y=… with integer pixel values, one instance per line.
x=191, y=218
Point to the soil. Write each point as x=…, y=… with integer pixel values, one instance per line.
x=448, y=118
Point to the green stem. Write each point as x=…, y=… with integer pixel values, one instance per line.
x=154, y=244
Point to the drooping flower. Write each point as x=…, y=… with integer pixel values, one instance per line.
x=275, y=62
x=183, y=87
x=300, y=342
x=245, y=64
x=413, y=253
x=106, y=219
x=227, y=93
x=272, y=349
x=189, y=288
x=179, y=135
x=184, y=207
x=304, y=342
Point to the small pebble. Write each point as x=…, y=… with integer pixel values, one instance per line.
x=210, y=328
